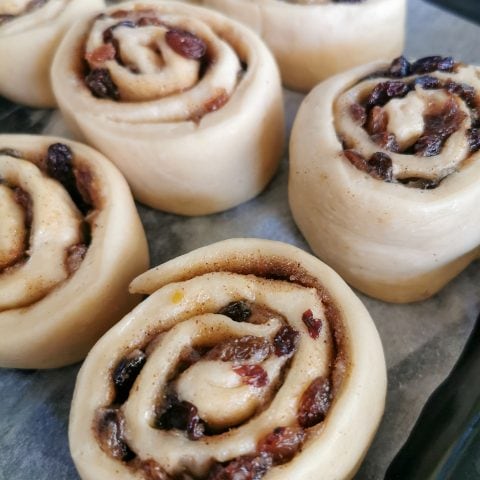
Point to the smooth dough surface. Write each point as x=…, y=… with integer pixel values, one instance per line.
x=312, y=40
x=27, y=45
x=390, y=239
x=191, y=138
x=51, y=313
x=184, y=311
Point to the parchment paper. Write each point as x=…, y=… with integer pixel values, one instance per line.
x=421, y=341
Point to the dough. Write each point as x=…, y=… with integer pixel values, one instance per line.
x=70, y=243
x=186, y=102
x=248, y=356
x=30, y=31
x=384, y=175
x=313, y=40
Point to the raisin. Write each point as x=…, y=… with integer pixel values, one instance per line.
x=151, y=470
x=314, y=325
x=101, y=85
x=422, y=183
x=475, y=117
x=119, y=14
x=427, y=82
x=315, y=403
x=439, y=125
x=432, y=64
x=377, y=121
x=380, y=166
x=213, y=104
x=253, y=375
x=217, y=102
x=251, y=348
x=399, y=68
x=182, y=416
x=126, y=372
x=110, y=428
x=282, y=444
x=75, y=255
x=101, y=54
x=186, y=44
x=356, y=159
x=108, y=33
x=428, y=146
x=59, y=165
x=261, y=314
x=386, y=140
x=445, y=121
x=473, y=136
x=149, y=21
x=248, y=467
x=464, y=91
x=384, y=91
x=238, y=311
x=285, y=341
x=446, y=64
x=358, y=113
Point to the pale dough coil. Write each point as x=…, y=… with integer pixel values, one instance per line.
x=70, y=243
x=185, y=101
x=385, y=175
x=30, y=31
x=249, y=359
x=314, y=39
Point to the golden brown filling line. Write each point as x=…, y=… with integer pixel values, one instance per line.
x=31, y=6
x=441, y=120
x=57, y=162
x=246, y=355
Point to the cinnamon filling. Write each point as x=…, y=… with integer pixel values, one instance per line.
x=441, y=118
x=246, y=355
x=20, y=255
x=57, y=163
x=99, y=79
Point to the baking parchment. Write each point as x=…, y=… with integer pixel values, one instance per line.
x=421, y=341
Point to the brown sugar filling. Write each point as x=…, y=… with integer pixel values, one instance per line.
x=285, y=441
x=59, y=163
x=441, y=120
x=97, y=77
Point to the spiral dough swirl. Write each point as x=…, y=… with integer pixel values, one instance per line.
x=30, y=31
x=236, y=364
x=56, y=222
x=185, y=101
x=315, y=39
x=396, y=176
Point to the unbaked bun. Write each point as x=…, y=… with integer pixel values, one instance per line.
x=185, y=101
x=30, y=31
x=249, y=359
x=314, y=39
x=385, y=175
x=70, y=243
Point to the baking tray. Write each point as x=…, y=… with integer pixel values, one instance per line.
x=422, y=341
